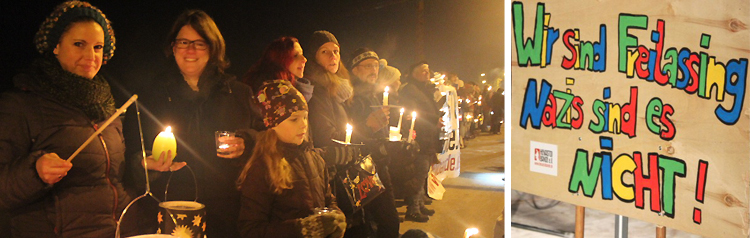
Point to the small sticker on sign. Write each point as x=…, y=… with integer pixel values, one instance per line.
x=543, y=158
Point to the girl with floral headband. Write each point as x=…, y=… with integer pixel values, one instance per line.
x=284, y=185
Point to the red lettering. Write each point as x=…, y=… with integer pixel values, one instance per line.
x=628, y=125
x=659, y=76
x=640, y=61
x=568, y=63
x=650, y=181
x=669, y=133
x=549, y=118
x=689, y=62
x=577, y=122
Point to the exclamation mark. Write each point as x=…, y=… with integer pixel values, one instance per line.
x=700, y=189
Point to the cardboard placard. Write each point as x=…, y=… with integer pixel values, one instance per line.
x=644, y=105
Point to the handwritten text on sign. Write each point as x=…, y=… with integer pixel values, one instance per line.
x=694, y=72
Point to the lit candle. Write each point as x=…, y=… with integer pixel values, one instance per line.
x=411, y=130
x=385, y=96
x=164, y=142
x=470, y=232
x=400, y=116
x=348, y=133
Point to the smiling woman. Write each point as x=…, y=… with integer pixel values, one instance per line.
x=57, y=103
x=196, y=98
x=81, y=48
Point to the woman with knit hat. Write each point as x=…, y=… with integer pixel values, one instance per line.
x=328, y=117
x=285, y=181
x=57, y=103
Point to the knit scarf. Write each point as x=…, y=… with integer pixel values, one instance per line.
x=344, y=91
x=92, y=96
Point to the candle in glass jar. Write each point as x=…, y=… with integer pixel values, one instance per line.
x=385, y=96
x=411, y=130
x=164, y=142
x=348, y=133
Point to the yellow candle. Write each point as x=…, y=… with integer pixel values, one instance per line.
x=164, y=142
x=385, y=96
x=411, y=130
x=348, y=133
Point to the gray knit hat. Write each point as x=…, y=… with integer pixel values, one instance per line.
x=48, y=36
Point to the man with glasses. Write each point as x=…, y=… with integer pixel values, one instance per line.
x=370, y=122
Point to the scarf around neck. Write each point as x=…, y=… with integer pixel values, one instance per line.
x=92, y=96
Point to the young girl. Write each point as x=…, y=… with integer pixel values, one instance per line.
x=285, y=180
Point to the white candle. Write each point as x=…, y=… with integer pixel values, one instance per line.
x=348, y=133
x=385, y=96
x=164, y=142
x=411, y=130
x=400, y=116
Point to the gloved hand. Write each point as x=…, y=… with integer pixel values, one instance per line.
x=412, y=148
x=323, y=225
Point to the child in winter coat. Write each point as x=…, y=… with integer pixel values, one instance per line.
x=285, y=183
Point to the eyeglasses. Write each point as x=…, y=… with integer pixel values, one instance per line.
x=370, y=66
x=184, y=44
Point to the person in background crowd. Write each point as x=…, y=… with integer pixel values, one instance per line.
x=371, y=126
x=498, y=108
x=282, y=59
x=57, y=103
x=454, y=81
x=468, y=102
x=285, y=180
x=427, y=127
x=196, y=98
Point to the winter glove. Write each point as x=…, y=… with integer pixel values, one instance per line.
x=339, y=232
x=322, y=225
x=412, y=148
x=378, y=119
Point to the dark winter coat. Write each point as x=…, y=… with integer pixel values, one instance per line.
x=417, y=96
x=88, y=201
x=327, y=118
x=266, y=214
x=221, y=104
x=364, y=102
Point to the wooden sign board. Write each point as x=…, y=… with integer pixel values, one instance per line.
x=637, y=108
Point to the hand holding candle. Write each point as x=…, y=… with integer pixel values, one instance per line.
x=348, y=134
x=385, y=96
x=164, y=142
x=411, y=130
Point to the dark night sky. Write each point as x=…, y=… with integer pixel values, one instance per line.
x=464, y=36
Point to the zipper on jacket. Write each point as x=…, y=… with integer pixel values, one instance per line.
x=109, y=181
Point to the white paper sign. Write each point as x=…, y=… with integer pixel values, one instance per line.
x=543, y=158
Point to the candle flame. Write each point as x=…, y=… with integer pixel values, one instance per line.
x=414, y=114
x=402, y=110
x=169, y=129
x=470, y=232
x=387, y=89
x=348, y=127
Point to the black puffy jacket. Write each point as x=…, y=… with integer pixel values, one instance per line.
x=86, y=202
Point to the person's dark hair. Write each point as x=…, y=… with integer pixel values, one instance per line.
x=273, y=63
x=206, y=28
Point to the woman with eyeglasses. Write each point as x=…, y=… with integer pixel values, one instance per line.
x=196, y=98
